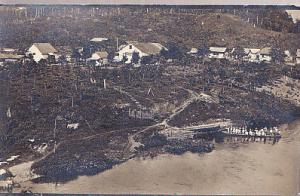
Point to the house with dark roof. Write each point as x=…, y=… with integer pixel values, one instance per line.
x=41, y=51
x=141, y=48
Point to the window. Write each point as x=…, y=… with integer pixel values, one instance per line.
x=130, y=46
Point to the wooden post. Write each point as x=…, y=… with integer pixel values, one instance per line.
x=117, y=43
x=54, y=135
x=34, y=80
x=104, y=83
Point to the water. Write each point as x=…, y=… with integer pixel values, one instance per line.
x=234, y=167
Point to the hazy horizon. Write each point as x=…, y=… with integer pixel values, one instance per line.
x=158, y=2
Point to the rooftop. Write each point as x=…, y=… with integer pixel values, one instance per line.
x=148, y=47
x=252, y=50
x=99, y=39
x=266, y=50
x=45, y=48
x=218, y=49
x=10, y=56
x=100, y=54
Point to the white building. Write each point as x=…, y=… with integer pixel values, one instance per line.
x=265, y=54
x=288, y=57
x=43, y=51
x=298, y=57
x=217, y=52
x=193, y=51
x=8, y=50
x=5, y=57
x=252, y=54
x=99, y=58
x=98, y=39
x=143, y=49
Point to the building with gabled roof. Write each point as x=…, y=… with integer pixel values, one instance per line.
x=41, y=51
x=142, y=48
x=265, y=54
x=99, y=58
x=217, y=52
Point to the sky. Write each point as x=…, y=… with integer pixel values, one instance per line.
x=173, y=2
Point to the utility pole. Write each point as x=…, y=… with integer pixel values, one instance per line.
x=54, y=134
x=117, y=43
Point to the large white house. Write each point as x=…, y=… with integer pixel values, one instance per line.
x=41, y=51
x=143, y=49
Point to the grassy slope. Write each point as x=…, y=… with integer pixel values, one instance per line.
x=185, y=29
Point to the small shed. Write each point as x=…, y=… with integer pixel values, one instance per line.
x=217, y=52
x=193, y=51
x=99, y=58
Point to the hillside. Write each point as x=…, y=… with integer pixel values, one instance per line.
x=187, y=30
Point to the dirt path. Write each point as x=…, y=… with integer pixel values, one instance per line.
x=165, y=123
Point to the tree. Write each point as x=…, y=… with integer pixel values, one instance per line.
x=124, y=59
x=203, y=51
x=62, y=59
x=87, y=52
x=277, y=55
x=297, y=27
x=146, y=60
x=110, y=56
x=76, y=54
x=135, y=58
x=42, y=62
x=173, y=52
x=239, y=52
x=277, y=20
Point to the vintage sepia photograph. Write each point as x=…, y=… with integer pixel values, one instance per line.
x=149, y=97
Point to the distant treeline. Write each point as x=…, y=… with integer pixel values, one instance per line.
x=267, y=16
x=74, y=25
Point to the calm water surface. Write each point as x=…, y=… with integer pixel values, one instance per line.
x=234, y=167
